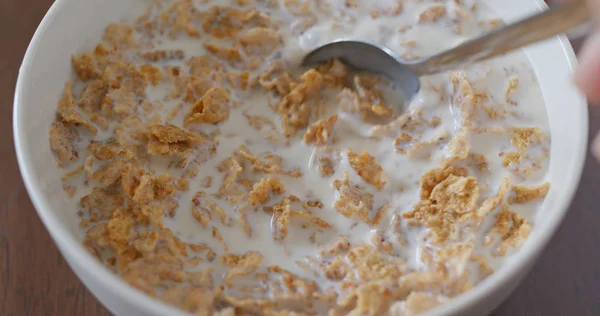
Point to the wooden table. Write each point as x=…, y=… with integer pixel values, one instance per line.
x=35, y=280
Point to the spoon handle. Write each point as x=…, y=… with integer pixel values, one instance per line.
x=530, y=30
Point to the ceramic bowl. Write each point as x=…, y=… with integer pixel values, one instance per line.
x=74, y=26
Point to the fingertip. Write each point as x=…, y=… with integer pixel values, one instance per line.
x=587, y=87
x=587, y=77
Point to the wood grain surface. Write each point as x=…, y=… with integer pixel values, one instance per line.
x=35, y=279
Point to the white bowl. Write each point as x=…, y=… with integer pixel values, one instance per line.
x=74, y=26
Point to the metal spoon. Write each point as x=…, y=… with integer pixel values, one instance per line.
x=373, y=58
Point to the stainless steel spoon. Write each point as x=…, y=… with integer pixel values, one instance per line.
x=369, y=57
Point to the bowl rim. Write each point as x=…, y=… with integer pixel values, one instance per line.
x=108, y=280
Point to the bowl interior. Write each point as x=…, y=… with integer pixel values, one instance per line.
x=74, y=26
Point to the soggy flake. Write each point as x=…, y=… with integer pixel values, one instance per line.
x=95, y=238
x=522, y=161
x=100, y=204
x=242, y=265
x=276, y=79
x=334, y=73
x=232, y=56
x=259, y=41
x=67, y=111
x=152, y=74
x=261, y=191
x=464, y=97
x=171, y=140
x=204, y=65
x=85, y=67
x=119, y=231
x=223, y=22
x=491, y=203
x=380, y=214
x=382, y=243
x=163, y=55
x=215, y=210
x=193, y=88
x=216, y=233
x=371, y=299
x=351, y=102
x=147, y=242
x=121, y=101
x=152, y=214
x=62, y=143
x=213, y=108
x=284, y=212
x=229, y=186
x=172, y=134
x=294, y=108
x=372, y=98
x=267, y=163
x=127, y=76
x=91, y=65
x=180, y=17
x=320, y=131
x=410, y=121
x=249, y=259
x=109, y=173
x=92, y=96
x=292, y=286
x=513, y=84
x=354, y=201
x=130, y=178
x=326, y=159
x=483, y=266
x=207, y=182
x=397, y=230
x=524, y=194
x=239, y=80
x=522, y=138
x=512, y=229
x=434, y=176
x=456, y=194
x=455, y=258
x=370, y=265
x=432, y=14
x=367, y=168
x=419, y=302
x=317, y=221
x=119, y=35
x=402, y=142
x=144, y=192
x=66, y=180
x=200, y=212
x=478, y=162
x=451, y=202
x=459, y=146
x=337, y=246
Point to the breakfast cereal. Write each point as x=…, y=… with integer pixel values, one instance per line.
x=213, y=173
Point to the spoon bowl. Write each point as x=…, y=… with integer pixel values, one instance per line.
x=370, y=57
